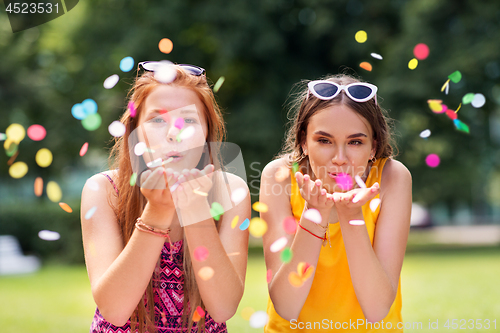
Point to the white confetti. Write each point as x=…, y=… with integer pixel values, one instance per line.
x=93, y=185
x=425, y=133
x=258, y=319
x=186, y=133
x=478, y=101
x=155, y=163
x=165, y=72
x=90, y=212
x=360, y=181
x=279, y=244
x=313, y=215
x=140, y=148
x=238, y=195
x=374, y=204
x=376, y=56
x=49, y=235
x=116, y=129
x=111, y=81
x=356, y=222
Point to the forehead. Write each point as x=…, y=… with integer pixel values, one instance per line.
x=167, y=97
x=339, y=120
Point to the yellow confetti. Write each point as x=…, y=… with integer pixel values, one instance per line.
x=203, y=194
x=18, y=170
x=206, y=273
x=304, y=272
x=43, y=157
x=361, y=36
x=15, y=132
x=247, y=312
x=413, y=63
x=445, y=85
x=260, y=207
x=234, y=222
x=53, y=191
x=258, y=227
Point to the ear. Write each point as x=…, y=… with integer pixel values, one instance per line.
x=304, y=148
x=374, y=148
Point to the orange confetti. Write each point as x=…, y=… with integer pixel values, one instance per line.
x=13, y=158
x=38, y=186
x=66, y=207
x=165, y=45
x=366, y=66
x=206, y=273
x=281, y=174
x=196, y=316
x=304, y=272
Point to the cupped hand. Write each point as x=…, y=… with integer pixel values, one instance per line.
x=194, y=186
x=349, y=204
x=155, y=186
x=313, y=193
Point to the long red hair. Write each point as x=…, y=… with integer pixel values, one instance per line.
x=131, y=202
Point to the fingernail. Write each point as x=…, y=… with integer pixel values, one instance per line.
x=160, y=171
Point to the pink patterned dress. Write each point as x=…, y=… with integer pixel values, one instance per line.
x=168, y=297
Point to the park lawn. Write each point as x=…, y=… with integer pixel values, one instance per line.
x=436, y=285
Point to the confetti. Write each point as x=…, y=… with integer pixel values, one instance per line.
x=155, y=163
x=3, y=136
x=260, y=207
x=258, y=227
x=295, y=167
x=238, y=195
x=359, y=181
x=92, y=122
x=468, y=98
x=13, y=158
x=376, y=56
x=198, y=314
x=412, y=64
x=165, y=72
x=186, y=133
x=247, y=312
x=43, y=157
x=290, y=225
x=269, y=275
x=133, y=110
x=313, y=215
x=421, y=51
x=281, y=174
x=425, y=134
x=53, y=191
x=49, y=235
x=140, y=148
x=361, y=36
x=258, y=319
x=200, y=253
x=15, y=132
x=461, y=126
x=36, y=132
x=90, y=106
x=126, y=64
x=455, y=77
x=435, y=105
x=233, y=254
x=84, y=149
x=478, y=101
x=216, y=211
x=90, y=213
x=66, y=207
x=203, y=194
x=38, y=186
x=234, y=222
x=451, y=114
x=133, y=179
x=356, y=222
x=116, y=129
x=366, y=66
x=344, y=180
x=432, y=160
x=179, y=123
x=279, y=244
x=165, y=45
x=93, y=185
x=245, y=224
x=374, y=203
x=219, y=83
x=111, y=81
x=286, y=255
x=78, y=111
x=18, y=170
x=206, y=273
x=304, y=272
x=10, y=147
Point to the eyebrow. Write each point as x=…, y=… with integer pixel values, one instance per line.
x=357, y=135
x=182, y=111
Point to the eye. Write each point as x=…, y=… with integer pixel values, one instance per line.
x=356, y=142
x=158, y=120
x=190, y=121
x=323, y=141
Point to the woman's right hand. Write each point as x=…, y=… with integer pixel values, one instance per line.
x=313, y=193
x=155, y=186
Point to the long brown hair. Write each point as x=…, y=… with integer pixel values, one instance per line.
x=131, y=202
x=304, y=105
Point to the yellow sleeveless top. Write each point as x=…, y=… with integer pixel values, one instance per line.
x=332, y=302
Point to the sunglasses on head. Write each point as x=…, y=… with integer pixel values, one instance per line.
x=151, y=66
x=358, y=91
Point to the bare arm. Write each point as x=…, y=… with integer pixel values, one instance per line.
x=375, y=270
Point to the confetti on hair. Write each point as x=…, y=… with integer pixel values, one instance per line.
x=421, y=51
x=425, y=133
x=304, y=272
x=258, y=227
x=258, y=319
x=432, y=160
x=90, y=213
x=245, y=224
x=111, y=81
x=84, y=148
x=200, y=253
x=412, y=64
x=18, y=170
x=374, y=203
x=216, y=211
x=126, y=64
x=219, y=83
x=279, y=244
x=206, y=273
x=344, y=181
x=38, y=186
x=313, y=215
x=133, y=179
x=203, y=194
x=260, y=207
x=165, y=72
x=53, y=191
x=366, y=66
x=376, y=56
x=361, y=36
x=48, y=235
x=269, y=275
x=66, y=207
x=290, y=225
x=165, y=45
x=132, y=109
x=238, y=195
x=286, y=255
x=36, y=132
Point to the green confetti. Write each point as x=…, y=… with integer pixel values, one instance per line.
x=92, y=122
x=467, y=98
x=216, y=211
x=455, y=77
x=3, y=136
x=286, y=255
x=461, y=126
x=295, y=167
x=219, y=83
x=12, y=149
x=133, y=179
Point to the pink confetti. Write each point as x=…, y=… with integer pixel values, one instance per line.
x=133, y=110
x=432, y=160
x=421, y=51
x=179, y=123
x=36, y=132
x=290, y=225
x=344, y=180
x=200, y=253
x=84, y=148
x=269, y=275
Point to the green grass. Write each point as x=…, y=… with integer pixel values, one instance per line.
x=437, y=285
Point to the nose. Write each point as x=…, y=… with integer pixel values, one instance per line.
x=340, y=156
x=172, y=133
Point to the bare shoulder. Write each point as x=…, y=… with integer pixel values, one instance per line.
x=276, y=171
x=235, y=181
x=99, y=187
x=395, y=175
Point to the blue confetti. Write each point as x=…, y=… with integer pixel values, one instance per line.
x=90, y=106
x=126, y=64
x=78, y=111
x=245, y=224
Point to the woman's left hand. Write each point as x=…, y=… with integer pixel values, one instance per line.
x=193, y=188
x=349, y=204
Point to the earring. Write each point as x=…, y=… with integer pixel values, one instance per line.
x=372, y=159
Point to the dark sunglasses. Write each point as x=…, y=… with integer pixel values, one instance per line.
x=151, y=66
x=358, y=91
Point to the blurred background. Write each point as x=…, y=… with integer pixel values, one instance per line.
x=261, y=48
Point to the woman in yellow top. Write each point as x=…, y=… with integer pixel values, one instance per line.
x=349, y=240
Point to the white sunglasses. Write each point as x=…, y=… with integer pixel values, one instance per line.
x=358, y=91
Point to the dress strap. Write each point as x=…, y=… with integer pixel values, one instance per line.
x=111, y=181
